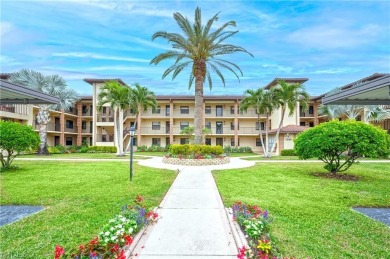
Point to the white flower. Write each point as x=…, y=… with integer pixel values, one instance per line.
x=107, y=233
x=130, y=230
x=111, y=228
x=113, y=238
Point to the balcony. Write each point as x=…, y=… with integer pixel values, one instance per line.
x=86, y=112
x=70, y=130
x=162, y=113
x=249, y=130
x=306, y=115
x=128, y=113
x=104, y=117
x=87, y=130
x=72, y=111
x=155, y=131
x=51, y=126
x=14, y=108
x=105, y=138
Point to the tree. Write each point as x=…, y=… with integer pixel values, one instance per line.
x=339, y=143
x=141, y=99
x=200, y=48
x=288, y=96
x=189, y=131
x=53, y=85
x=264, y=102
x=118, y=97
x=15, y=138
x=369, y=113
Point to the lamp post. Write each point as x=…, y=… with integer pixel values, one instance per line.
x=132, y=132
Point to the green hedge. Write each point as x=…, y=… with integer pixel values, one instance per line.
x=230, y=149
x=153, y=148
x=101, y=149
x=288, y=152
x=189, y=149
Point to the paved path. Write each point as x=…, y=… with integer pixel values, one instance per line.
x=193, y=218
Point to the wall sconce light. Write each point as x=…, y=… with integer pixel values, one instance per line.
x=288, y=137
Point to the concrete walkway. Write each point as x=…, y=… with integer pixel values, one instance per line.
x=193, y=218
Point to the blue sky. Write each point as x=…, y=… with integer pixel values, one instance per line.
x=330, y=42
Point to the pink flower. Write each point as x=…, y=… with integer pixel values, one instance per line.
x=121, y=255
x=128, y=240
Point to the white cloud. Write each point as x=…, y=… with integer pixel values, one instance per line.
x=334, y=35
x=98, y=56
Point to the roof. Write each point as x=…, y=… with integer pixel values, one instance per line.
x=11, y=93
x=287, y=80
x=5, y=76
x=371, y=90
x=192, y=97
x=290, y=129
x=91, y=81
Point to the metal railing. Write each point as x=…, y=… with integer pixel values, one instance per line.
x=162, y=113
x=104, y=138
x=150, y=130
x=71, y=130
x=104, y=117
x=87, y=130
x=14, y=108
x=306, y=114
x=51, y=126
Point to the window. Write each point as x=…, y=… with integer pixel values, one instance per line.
x=167, y=141
x=84, y=109
x=156, y=141
x=232, y=125
x=311, y=109
x=134, y=141
x=207, y=110
x=233, y=144
x=155, y=125
x=311, y=124
x=167, y=110
x=157, y=111
x=184, y=141
x=104, y=110
x=184, y=110
x=84, y=125
x=208, y=125
x=208, y=141
x=302, y=123
x=218, y=127
x=231, y=109
x=104, y=138
x=69, y=141
x=69, y=124
x=219, y=111
x=258, y=142
x=184, y=125
x=260, y=124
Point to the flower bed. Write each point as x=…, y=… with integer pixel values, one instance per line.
x=115, y=236
x=196, y=161
x=254, y=222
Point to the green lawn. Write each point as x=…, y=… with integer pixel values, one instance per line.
x=312, y=215
x=80, y=198
x=260, y=157
x=86, y=156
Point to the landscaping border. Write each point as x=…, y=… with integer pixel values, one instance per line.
x=196, y=162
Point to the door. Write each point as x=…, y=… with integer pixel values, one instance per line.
x=218, y=127
x=168, y=110
x=219, y=111
x=219, y=142
x=56, y=140
x=167, y=127
x=57, y=125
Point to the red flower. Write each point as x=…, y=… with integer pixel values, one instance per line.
x=81, y=247
x=93, y=254
x=115, y=248
x=58, y=252
x=93, y=242
x=241, y=253
x=121, y=255
x=128, y=240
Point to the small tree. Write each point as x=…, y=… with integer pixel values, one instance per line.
x=339, y=143
x=190, y=130
x=15, y=138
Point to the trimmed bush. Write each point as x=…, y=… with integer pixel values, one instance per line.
x=154, y=148
x=15, y=138
x=288, y=152
x=195, y=150
x=101, y=149
x=59, y=149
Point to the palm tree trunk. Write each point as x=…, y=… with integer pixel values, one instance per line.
x=278, y=131
x=260, y=132
x=198, y=118
x=42, y=120
x=118, y=133
x=266, y=154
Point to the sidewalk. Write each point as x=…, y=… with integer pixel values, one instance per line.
x=193, y=218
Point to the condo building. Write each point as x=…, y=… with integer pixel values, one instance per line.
x=84, y=123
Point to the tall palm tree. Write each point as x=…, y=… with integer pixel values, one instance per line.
x=264, y=102
x=288, y=96
x=118, y=97
x=53, y=85
x=141, y=99
x=200, y=49
x=370, y=113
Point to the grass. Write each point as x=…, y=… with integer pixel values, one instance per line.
x=312, y=215
x=80, y=197
x=150, y=153
x=84, y=156
x=261, y=157
x=243, y=154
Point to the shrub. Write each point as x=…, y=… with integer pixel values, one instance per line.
x=195, y=150
x=15, y=138
x=288, y=152
x=229, y=149
x=101, y=149
x=142, y=148
x=59, y=149
x=339, y=143
x=84, y=149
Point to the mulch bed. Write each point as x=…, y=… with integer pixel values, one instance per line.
x=338, y=176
